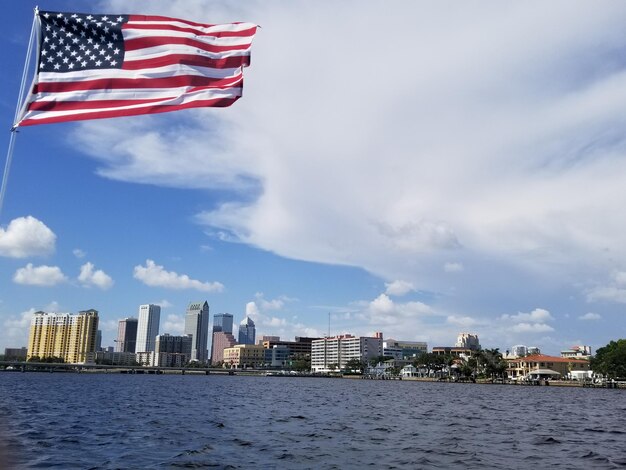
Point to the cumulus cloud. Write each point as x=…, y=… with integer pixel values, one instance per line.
x=26, y=236
x=539, y=315
x=615, y=291
x=535, y=118
x=590, y=316
x=46, y=276
x=15, y=328
x=463, y=321
x=89, y=277
x=261, y=319
x=79, y=253
x=156, y=276
x=399, y=288
x=173, y=324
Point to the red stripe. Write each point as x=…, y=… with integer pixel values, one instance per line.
x=166, y=18
x=216, y=103
x=153, y=41
x=187, y=59
x=90, y=104
x=134, y=83
x=198, y=32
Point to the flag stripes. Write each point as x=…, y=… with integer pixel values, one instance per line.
x=99, y=66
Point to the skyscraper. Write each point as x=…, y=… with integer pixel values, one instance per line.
x=147, y=327
x=247, y=331
x=197, y=325
x=126, y=335
x=69, y=337
x=222, y=323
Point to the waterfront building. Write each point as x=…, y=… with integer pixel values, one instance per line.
x=244, y=355
x=463, y=353
x=15, y=354
x=404, y=349
x=197, y=325
x=468, y=341
x=535, y=364
x=247, y=331
x=69, y=337
x=147, y=327
x=172, y=351
x=337, y=351
x=277, y=356
x=298, y=349
x=221, y=341
x=578, y=352
x=126, y=335
x=118, y=358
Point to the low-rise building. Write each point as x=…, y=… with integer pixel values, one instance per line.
x=244, y=355
x=15, y=354
x=120, y=358
x=525, y=366
x=300, y=348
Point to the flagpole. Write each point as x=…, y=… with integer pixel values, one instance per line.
x=18, y=108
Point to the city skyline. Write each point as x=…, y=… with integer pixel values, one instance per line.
x=481, y=192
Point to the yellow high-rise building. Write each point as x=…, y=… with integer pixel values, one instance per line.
x=70, y=337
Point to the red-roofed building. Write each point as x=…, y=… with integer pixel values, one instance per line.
x=523, y=366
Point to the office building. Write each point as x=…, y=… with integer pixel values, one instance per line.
x=244, y=355
x=197, y=326
x=404, y=350
x=519, y=350
x=247, y=331
x=334, y=353
x=147, y=327
x=221, y=341
x=126, y=335
x=69, y=337
x=15, y=354
x=98, y=340
x=222, y=323
x=172, y=351
x=298, y=349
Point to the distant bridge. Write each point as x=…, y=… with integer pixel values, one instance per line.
x=122, y=369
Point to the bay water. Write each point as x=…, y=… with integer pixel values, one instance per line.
x=114, y=421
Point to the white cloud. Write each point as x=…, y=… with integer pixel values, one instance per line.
x=262, y=320
x=79, y=253
x=399, y=288
x=531, y=328
x=615, y=291
x=164, y=304
x=173, y=324
x=39, y=275
x=539, y=315
x=156, y=276
x=590, y=316
x=453, y=267
x=15, y=329
x=463, y=321
x=536, y=118
x=88, y=277
x=26, y=236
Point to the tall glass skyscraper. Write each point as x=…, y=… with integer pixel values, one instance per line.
x=247, y=331
x=197, y=325
x=147, y=327
x=222, y=323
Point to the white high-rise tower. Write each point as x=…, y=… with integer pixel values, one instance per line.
x=147, y=327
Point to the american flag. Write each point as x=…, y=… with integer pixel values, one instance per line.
x=101, y=66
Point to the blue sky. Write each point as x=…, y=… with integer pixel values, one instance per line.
x=420, y=170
